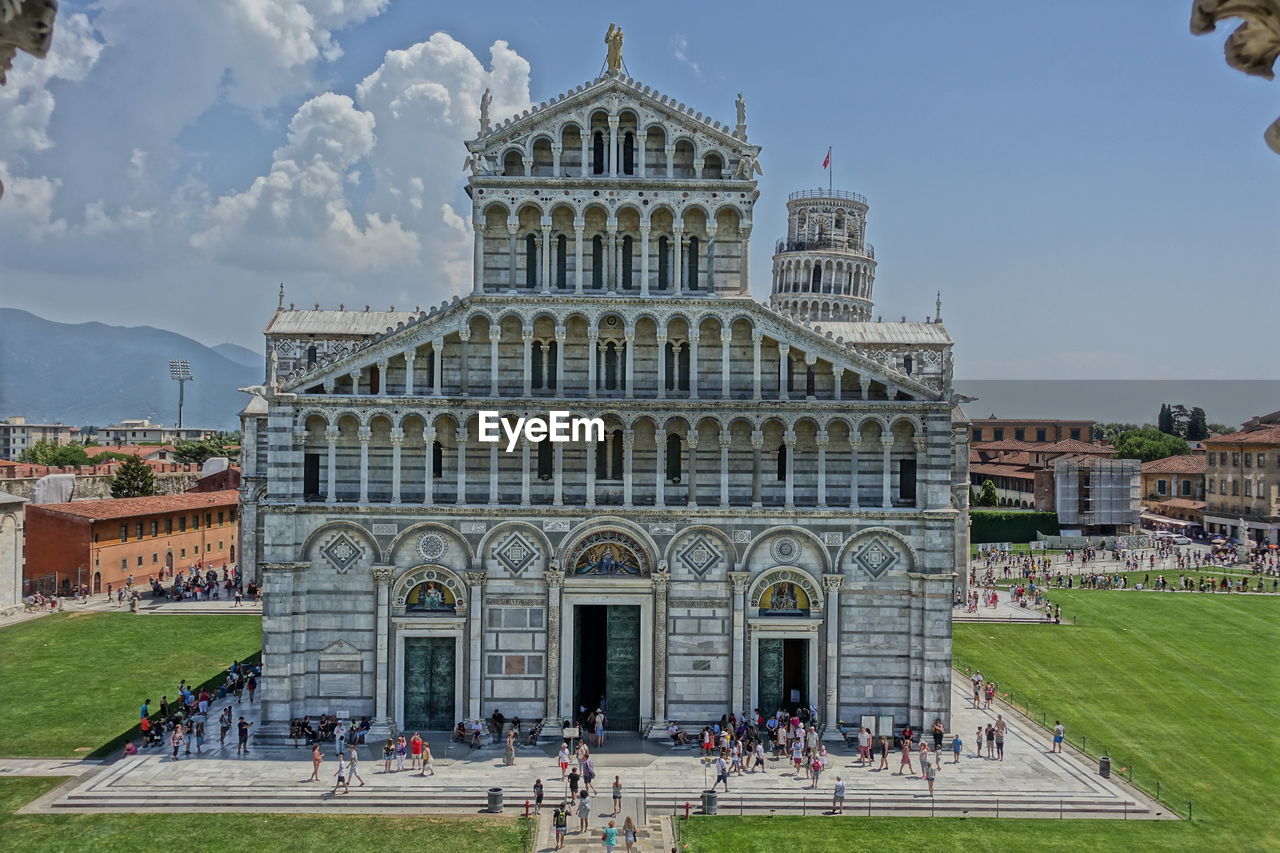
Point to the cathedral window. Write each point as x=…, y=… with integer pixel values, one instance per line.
x=692, y=278
x=609, y=456
x=664, y=263
x=907, y=481
x=782, y=463
x=545, y=460
x=562, y=261
x=597, y=262
x=809, y=381
x=629, y=154
x=530, y=261
x=311, y=355
x=437, y=460
x=713, y=167
x=628, y=263
x=906, y=368
x=612, y=366
x=512, y=164
x=815, y=280
x=597, y=153
x=675, y=457
x=553, y=355
x=537, y=368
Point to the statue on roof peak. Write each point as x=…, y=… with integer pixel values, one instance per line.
x=613, y=40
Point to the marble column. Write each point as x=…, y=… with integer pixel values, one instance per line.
x=525, y=473
x=437, y=366
x=855, y=448
x=380, y=725
x=784, y=371
x=726, y=341
x=555, y=160
x=409, y=358
x=822, y=439
x=364, y=435
x=613, y=146
x=726, y=438
x=461, y=436
x=691, y=442
x=560, y=359
x=746, y=261
x=475, y=631
x=612, y=269
x=837, y=375
x=495, y=339
x=382, y=378
x=922, y=462
x=661, y=585
x=355, y=381
x=756, y=338
x=694, y=334
x=644, y=260
x=757, y=444
x=546, y=257
x=527, y=362
x=464, y=361
x=557, y=474
x=886, y=471
x=630, y=374
x=737, y=698
x=678, y=277
x=331, y=473
x=662, y=364
x=397, y=439
x=831, y=709
x=586, y=159
x=578, y=226
x=670, y=152
x=660, y=470
x=429, y=474
x=593, y=346
x=513, y=270
x=555, y=582
x=493, y=475
x=590, y=447
x=789, y=442
x=628, y=444
x=477, y=261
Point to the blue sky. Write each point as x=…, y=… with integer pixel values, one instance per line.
x=1086, y=184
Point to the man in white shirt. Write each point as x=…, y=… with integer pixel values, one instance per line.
x=722, y=773
x=837, y=798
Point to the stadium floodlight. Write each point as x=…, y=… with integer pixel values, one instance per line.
x=180, y=372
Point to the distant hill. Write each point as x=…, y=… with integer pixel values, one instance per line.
x=92, y=373
x=240, y=355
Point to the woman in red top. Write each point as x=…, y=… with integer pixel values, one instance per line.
x=415, y=751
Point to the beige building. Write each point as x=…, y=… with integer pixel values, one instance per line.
x=16, y=435
x=1031, y=430
x=142, y=431
x=1242, y=481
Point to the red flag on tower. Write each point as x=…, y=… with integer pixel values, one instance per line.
x=826, y=161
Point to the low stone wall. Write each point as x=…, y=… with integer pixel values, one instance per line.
x=99, y=485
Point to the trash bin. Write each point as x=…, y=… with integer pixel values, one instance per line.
x=495, y=800
x=1104, y=767
x=710, y=802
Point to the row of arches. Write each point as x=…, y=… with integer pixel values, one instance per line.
x=809, y=275
x=632, y=460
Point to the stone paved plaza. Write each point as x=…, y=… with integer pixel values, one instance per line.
x=657, y=780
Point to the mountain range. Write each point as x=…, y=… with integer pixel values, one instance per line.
x=93, y=373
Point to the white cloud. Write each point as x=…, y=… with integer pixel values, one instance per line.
x=403, y=138
x=26, y=104
x=27, y=207
x=680, y=50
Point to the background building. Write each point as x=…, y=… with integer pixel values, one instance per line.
x=16, y=435
x=142, y=431
x=1242, y=481
x=101, y=542
x=1032, y=430
x=11, y=546
x=1097, y=496
x=774, y=515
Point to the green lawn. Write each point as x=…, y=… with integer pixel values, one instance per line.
x=1180, y=688
x=214, y=832
x=72, y=682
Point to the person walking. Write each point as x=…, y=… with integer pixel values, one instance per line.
x=341, y=773
x=316, y=757
x=956, y=746
x=815, y=766
x=584, y=810
x=906, y=758
x=588, y=774
x=340, y=738
x=759, y=753
x=837, y=797
x=224, y=723
x=537, y=796
x=930, y=772
x=251, y=685
x=242, y=742
x=574, y=778
x=352, y=761
x=938, y=731
x=924, y=757
x=426, y=759
x=630, y=837
x=563, y=758
x=1059, y=732
x=560, y=822
x=884, y=753
x=617, y=795
x=599, y=732
x=610, y=837
x=175, y=740
x=722, y=773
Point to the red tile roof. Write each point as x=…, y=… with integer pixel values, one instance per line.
x=1070, y=445
x=1181, y=464
x=1005, y=444
x=142, y=450
x=1015, y=471
x=129, y=507
x=1182, y=503
x=1265, y=435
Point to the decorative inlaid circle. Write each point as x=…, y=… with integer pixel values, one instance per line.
x=784, y=549
x=431, y=546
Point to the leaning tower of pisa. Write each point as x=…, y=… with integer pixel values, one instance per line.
x=824, y=269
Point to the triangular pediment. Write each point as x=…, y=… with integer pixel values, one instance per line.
x=605, y=92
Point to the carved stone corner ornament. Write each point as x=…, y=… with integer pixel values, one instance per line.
x=1255, y=45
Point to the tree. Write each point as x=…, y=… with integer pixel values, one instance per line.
x=135, y=479
x=111, y=456
x=1179, y=415
x=199, y=452
x=1219, y=429
x=1164, y=421
x=988, y=496
x=1197, y=428
x=1109, y=431
x=59, y=455
x=1149, y=444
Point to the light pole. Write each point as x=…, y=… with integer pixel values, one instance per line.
x=180, y=372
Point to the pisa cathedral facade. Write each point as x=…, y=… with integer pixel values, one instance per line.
x=773, y=516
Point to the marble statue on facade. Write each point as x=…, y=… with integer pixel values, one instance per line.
x=613, y=40
x=486, y=100
x=741, y=130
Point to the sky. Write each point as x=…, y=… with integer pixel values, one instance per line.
x=1087, y=185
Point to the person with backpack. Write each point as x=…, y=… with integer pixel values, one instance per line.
x=560, y=821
